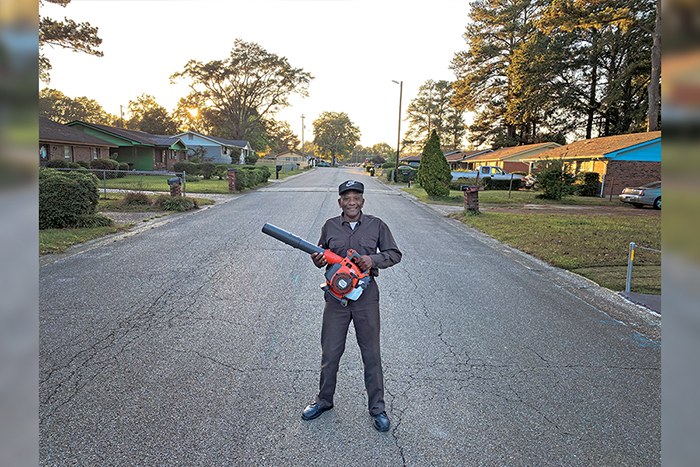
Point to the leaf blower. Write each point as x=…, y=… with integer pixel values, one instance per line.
x=344, y=280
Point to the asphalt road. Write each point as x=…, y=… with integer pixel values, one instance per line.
x=197, y=342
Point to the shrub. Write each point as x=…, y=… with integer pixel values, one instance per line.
x=472, y=181
x=64, y=197
x=434, y=173
x=190, y=168
x=588, y=183
x=554, y=181
x=57, y=164
x=221, y=171
x=206, y=169
x=90, y=221
x=389, y=165
x=412, y=171
x=491, y=184
x=244, y=179
x=104, y=164
x=83, y=164
x=176, y=203
x=74, y=165
x=135, y=198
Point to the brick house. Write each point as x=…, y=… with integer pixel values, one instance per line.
x=58, y=141
x=510, y=159
x=621, y=161
x=142, y=151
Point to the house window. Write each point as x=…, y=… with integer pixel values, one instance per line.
x=67, y=152
x=95, y=153
x=286, y=158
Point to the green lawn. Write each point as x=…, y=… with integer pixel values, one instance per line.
x=114, y=203
x=593, y=246
x=501, y=198
x=160, y=183
x=52, y=241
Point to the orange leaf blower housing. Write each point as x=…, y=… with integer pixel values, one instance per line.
x=344, y=280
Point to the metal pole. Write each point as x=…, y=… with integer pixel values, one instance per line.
x=104, y=181
x=302, y=136
x=398, y=141
x=184, y=184
x=630, y=260
x=510, y=187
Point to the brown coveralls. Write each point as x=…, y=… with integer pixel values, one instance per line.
x=372, y=237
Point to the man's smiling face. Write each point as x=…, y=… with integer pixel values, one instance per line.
x=351, y=203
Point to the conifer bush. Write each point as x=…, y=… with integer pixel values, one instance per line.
x=434, y=174
x=554, y=181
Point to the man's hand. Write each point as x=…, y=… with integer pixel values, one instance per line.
x=364, y=263
x=319, y=259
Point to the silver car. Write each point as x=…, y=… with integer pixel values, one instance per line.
x=649, y=195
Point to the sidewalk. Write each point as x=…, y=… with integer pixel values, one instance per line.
x=652, y=302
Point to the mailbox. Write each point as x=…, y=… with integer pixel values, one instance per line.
x=471, y=197
x=175, y=186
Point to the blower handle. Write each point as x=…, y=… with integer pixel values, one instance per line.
x=291, y=240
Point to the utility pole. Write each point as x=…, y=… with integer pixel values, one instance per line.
x=302, y=136
x=121, y=118
x=398, y=142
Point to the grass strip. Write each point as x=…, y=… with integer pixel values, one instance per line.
x=595, y=247
x=53, y=241
x=115, y=203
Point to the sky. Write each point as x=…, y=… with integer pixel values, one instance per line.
x=353, y=49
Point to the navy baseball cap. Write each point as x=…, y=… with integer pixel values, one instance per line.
x=351, y=185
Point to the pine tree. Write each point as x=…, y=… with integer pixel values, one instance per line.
x=434, y=173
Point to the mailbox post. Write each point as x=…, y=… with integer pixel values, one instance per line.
x=471, y=198
x=277, y=171
x=231, y=180
x=174, y=186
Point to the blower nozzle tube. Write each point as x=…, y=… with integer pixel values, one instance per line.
x=290, y=239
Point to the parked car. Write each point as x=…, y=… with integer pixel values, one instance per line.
x=323, y=164
x=645, y=195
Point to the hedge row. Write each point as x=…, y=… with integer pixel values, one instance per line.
x=98, y=165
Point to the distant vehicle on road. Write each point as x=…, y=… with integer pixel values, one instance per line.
x=645, y=195
x=323, y=164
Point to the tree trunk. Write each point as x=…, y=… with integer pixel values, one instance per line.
x=654, y=97
x=594, y=84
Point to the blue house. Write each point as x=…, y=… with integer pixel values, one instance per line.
x=622, y=160
x=217, y=150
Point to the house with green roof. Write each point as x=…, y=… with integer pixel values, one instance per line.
x=142, y=151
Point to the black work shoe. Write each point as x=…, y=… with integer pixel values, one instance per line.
x=314, y=410
x=381, y=422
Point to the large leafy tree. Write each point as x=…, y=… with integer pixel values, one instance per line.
x=67, y=34
x=335, y=135
x=235, y=96
x=60, y=108
x=434, y=173
x=149, y=116
x=498, y=28
x=430, y=110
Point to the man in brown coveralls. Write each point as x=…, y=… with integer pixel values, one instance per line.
x=372, y=239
